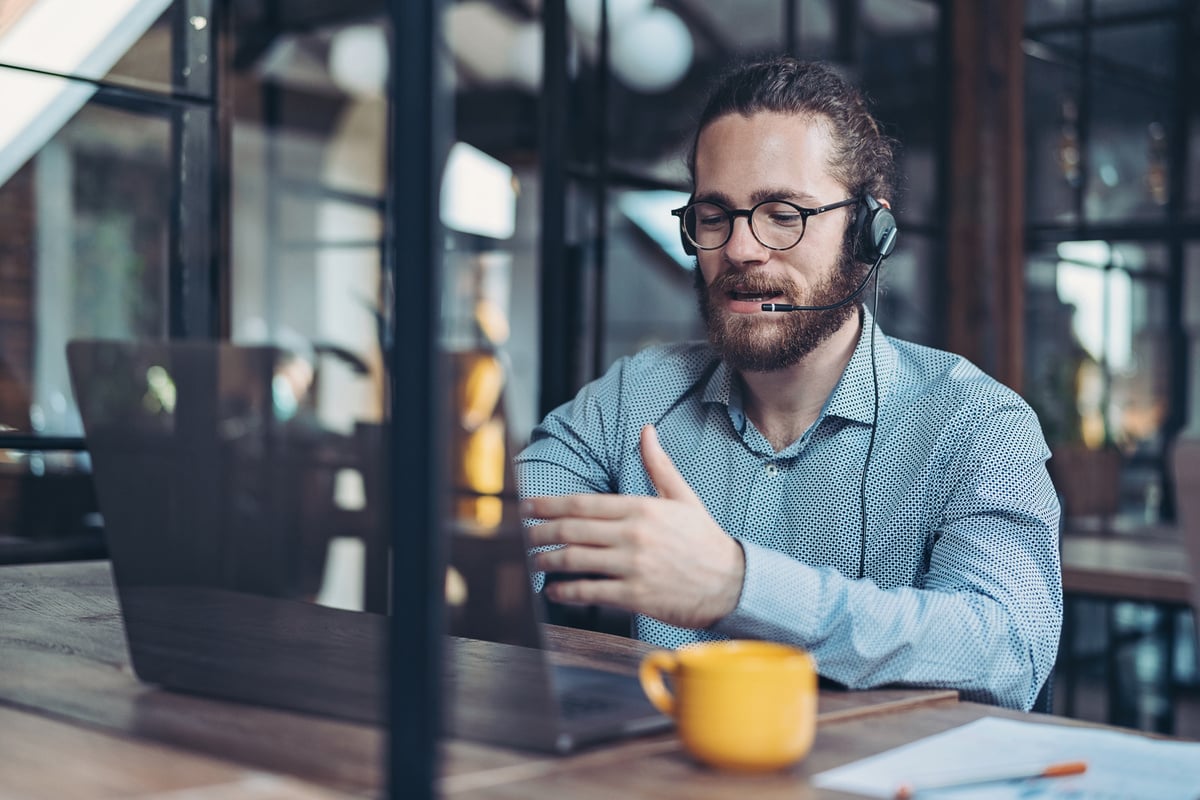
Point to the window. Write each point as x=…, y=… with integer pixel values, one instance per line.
x=105, y=149
x=1108, y=110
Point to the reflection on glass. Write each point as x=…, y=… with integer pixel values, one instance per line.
x=480, y=450
x=494, y=48
x=1126, y=152
x=160, y=396
x=650, y=211
x=85, y=245
x=1053, y=11
x=236, y=569
x=1118, y=355
x=1101, y=318
x=479, y=193
x=54, y=36
x=1053, y=154
x=1193, y=170
x=1097, y=369
x=1137, y=53
x=359, y=60
x=1103, y=8
x=308, y=166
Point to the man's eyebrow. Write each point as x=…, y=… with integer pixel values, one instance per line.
x=760, y=195
x=719, y=198
x=779, y=193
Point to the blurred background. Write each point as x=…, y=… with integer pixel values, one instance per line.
x=217, y=169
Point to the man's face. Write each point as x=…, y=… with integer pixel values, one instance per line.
x=741, y=161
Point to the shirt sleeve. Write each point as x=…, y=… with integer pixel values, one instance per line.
x=568, y=453
x=983, y=618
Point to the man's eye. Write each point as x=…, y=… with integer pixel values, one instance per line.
x=712, y=220
x=786, y=219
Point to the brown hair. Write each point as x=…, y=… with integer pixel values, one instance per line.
x=863, y=157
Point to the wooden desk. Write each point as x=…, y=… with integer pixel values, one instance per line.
x=1146, y=568
x=63, y=655
x=669, y=773
x=46, y=758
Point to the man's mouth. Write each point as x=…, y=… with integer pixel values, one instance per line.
x=755, y=297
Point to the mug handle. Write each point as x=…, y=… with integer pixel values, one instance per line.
x=650, y=673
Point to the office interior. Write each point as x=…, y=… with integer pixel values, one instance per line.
x=225, y=170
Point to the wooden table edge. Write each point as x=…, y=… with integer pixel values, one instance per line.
x=662, y=743
x=889, y=706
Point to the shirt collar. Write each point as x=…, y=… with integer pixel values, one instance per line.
x=854, y=396
x=721, y=385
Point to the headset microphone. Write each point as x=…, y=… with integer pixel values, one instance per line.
x=874, y=240
x=847, y=299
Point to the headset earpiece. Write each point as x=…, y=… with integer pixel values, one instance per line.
x=874, y=231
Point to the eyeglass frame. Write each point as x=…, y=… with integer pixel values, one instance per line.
x=733, y=213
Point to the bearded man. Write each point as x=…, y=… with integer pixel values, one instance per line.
x=802, y=477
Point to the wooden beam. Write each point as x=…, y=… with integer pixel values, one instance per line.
x=986, y=258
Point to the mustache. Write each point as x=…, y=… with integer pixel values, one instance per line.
x=752, y=283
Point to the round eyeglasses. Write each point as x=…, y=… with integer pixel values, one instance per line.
x=776, y=224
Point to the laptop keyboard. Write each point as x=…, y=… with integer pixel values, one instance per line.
x=584, y=692
x=582, y=704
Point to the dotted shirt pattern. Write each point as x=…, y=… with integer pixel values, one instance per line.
x=963, y=585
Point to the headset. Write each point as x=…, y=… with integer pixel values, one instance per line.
x=874, y=239
x=875, y=231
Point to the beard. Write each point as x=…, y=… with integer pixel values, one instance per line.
x=750, y=343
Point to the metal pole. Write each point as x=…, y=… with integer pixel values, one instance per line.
x=559, y=304
x=413, y=253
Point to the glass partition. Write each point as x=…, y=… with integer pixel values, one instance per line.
x=103, y=154
x=125, y=42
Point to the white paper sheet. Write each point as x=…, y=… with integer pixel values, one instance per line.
x=1120, y=765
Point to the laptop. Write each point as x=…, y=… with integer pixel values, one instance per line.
x=216, y=482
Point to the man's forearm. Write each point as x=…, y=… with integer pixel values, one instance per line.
x=864, y=636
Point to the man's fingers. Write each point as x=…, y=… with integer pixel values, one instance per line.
x=573, y=530
x=583, y=506
x=579, y=559
x=667, y=480
x=608, y=592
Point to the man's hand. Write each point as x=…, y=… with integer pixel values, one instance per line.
x=665, y=556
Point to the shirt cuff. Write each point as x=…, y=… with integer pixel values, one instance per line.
x=780, y=599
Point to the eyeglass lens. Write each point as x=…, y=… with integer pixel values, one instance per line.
x=776, y=225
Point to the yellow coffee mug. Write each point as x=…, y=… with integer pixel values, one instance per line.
x=740, y=705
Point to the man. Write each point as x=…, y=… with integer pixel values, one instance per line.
x=802, y=477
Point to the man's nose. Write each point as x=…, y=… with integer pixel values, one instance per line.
x=743, y=245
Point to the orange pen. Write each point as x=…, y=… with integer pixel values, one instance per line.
x=992, y=775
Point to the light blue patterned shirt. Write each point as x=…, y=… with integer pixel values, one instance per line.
x=963, y=586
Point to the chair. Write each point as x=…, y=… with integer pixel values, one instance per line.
x=1087, y=481
x=1044, y=702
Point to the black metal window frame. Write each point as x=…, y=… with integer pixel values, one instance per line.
x=1175, y=231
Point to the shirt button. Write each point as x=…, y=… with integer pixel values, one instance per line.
x=772, y=470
